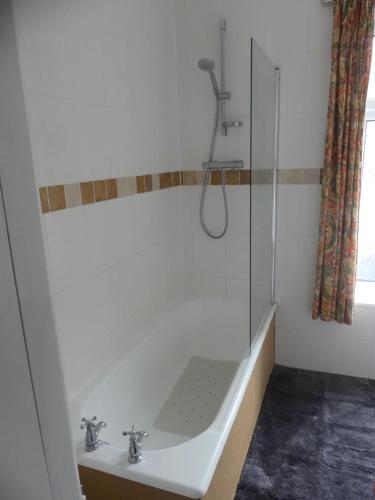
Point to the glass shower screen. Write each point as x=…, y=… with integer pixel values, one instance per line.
x=263, y=153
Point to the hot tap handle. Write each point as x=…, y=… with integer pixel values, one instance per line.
x=88, y=422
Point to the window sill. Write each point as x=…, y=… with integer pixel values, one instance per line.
x=365, y=293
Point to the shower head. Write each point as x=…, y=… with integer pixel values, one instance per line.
x=209, y=65
x=206, y=64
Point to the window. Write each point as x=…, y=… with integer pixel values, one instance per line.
x=365, y=289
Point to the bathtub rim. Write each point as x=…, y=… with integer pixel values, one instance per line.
x=187, y=478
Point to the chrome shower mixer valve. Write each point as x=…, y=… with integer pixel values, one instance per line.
x=222, y=96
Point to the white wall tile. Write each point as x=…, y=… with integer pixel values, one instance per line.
x=286, y=27
x=363, y=324
x=289, y=199
x=293, y=74
x=238, y=256
x=317, y=81
x=238, y=288
x=239, y=207
x=209, y=256
x=314, y=351
x=319, y=27
x=48, y=46
x=314, y=136
x=309, y=209
x=103, y=152
x=200, y=286
x=55, y=134
x=285, y=344
x=286, y=297
x=102, y=235
x=214, y=211
x=68, y=250
x=351, y=356
x=287, y=258
x=75, y=321
x=238, y=81
x=291, y=152
x=107, y=300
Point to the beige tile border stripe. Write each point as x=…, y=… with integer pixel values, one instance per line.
x=62, y=196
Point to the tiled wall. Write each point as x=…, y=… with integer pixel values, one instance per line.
x=296, y=36
x=278, y=28
x=304, y=57
x=113, y=92
x=63, y=196
x=101, y=97
x=213, y=267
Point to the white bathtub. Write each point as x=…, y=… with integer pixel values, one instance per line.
x=142, y=390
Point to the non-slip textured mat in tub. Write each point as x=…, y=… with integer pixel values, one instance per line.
x=196, y=397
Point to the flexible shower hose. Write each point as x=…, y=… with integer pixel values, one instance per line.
x=205, y=184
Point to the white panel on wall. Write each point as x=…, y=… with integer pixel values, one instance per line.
x=23, y=468
x=29, y=266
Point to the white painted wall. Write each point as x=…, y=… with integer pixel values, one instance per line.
x=100, y=90
x=23, y=468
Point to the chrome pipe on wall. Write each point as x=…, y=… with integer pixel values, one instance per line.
x=222, y=28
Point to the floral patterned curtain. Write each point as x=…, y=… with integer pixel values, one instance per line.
x=353, y=29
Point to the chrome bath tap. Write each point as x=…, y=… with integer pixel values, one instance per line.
x=92, y=432
x=135, y=444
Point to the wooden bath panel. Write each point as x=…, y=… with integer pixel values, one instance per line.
x=102, y=486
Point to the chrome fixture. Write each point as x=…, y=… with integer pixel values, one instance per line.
x=224, y=124
x=209, y=66
x=92, y=432
x=275, y=170
x=135, y=444
x=221, y=97
x=223, y=165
